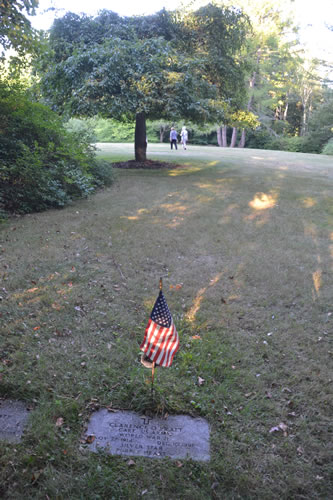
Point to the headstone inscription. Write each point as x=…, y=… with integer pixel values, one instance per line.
x=127, y=433
x=13, y=419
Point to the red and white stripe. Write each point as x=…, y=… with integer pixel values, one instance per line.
x=160, y=344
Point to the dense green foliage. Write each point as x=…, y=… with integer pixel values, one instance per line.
x=99, y=129
x=15, y=29
x=42, y=165
x=104, y=66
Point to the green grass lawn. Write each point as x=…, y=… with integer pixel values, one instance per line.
x=247, y=236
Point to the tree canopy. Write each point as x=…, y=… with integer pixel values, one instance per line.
x=164, y=65
x=15, y=29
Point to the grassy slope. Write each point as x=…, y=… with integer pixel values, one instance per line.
x=249, y=236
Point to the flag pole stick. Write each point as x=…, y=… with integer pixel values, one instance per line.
x=152, y=379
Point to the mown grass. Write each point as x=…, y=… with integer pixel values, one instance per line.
x=248, y=238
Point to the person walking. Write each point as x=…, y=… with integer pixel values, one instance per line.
x=173, y=138
x=184, y=137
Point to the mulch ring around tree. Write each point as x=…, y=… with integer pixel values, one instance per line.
x=148, y=164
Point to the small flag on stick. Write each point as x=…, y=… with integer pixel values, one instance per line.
x=161, y=341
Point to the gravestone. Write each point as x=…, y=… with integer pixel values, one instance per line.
x=13, y=419
x=127, y=433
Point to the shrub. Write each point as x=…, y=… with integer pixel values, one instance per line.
x=82, y=129
x=328, y=148
x=113, y=131
x=305, y=144
x=102, y=173
x=41, y=164
x=259, y=139
x=262, y=139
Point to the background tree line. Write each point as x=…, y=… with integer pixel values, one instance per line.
x=236, y=75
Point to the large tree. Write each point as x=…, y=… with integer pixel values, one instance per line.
x=160, y=66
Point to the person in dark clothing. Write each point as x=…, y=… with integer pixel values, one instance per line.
x=173, y=138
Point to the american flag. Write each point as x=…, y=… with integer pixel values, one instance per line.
x=161, y=341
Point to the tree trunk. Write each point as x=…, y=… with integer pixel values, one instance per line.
x=233, y=137
x=224, y=137
x=162, y=132
x=140, y=146
x=285, y=114
x=306, y=101
x=219, y=136
x=241, y=143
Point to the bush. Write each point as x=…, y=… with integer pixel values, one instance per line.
x=102, y=173
x=82, y=129
x=112, y=130
x=305, y=144
x=258, y=139
x=328, y=148
x=42, y=165
x=262, y=139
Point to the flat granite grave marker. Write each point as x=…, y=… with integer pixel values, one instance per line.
x=13, y=419
x=127, y=433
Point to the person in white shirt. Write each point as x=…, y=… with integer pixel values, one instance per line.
x=184, y=137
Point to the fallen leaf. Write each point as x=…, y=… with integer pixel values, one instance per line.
x=179, y=464
x=144, y=492
x=249, y=394
x=59, y=422
x=35, y=476
x=300, y=451
x=32, y=290
x=36, y=328
x=200, y=380
x=196, y=337
x=131, y=463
